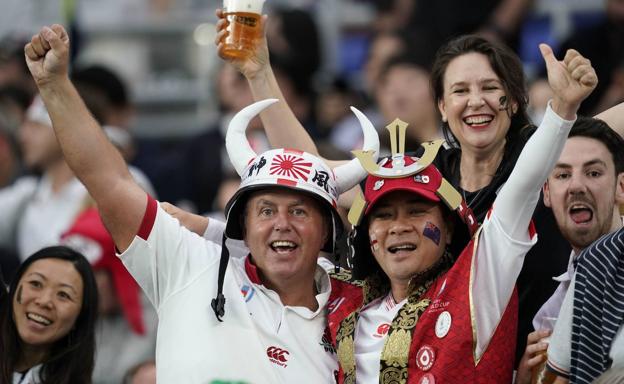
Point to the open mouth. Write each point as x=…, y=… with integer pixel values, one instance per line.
x=580, y=213
x=407, y=247
x=38, y=319
x=283, y=246
x=478, y=121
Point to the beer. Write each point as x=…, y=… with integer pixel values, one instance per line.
x=243, y=27
x=540, y=374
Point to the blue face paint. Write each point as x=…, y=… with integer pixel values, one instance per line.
x=432, y=232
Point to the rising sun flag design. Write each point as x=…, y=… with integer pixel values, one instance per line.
x=290, y=166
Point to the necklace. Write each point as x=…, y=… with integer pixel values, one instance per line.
x=469, y=203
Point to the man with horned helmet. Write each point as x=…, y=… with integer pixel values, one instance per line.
x=267, y=321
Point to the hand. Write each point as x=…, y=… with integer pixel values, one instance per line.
x=47, y=54
x=532, y=355
x=249, y=67
x=192, y=222
x=571, y=80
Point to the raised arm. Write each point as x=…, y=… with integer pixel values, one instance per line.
x=281, y=126
x=91, y=156
x=505, y=239
x=571, y=80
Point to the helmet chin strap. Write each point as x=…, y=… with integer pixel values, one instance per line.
x=218, y=303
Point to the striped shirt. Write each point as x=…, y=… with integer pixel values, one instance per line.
x=589, y=329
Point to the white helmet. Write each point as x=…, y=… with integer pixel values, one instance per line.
x=284, y=168
x=289, y=168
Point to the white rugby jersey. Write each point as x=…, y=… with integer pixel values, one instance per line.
x=259, y=341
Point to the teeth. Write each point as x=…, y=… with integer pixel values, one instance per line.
x=478, y=119
x=38, y=318
x=404, y=247
x=282, y=243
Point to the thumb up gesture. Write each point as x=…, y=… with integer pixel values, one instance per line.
x=571, y=80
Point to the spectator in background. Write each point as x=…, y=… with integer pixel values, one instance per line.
x=12, y=111
x=204, y=161
x=117, y=111
x=13, y=69
x=603, y=44
x=403, y=92
x=392, y=15
x=296, y=55
x=47, y=320
x=495, y=20
x=38, y=209
x=10, y=166
x=126, y=327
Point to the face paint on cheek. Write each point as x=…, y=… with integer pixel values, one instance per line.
x=432, y=232
x=503, y=103
x=18, y=295
x=373, y=242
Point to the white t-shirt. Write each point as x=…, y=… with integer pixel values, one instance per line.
x=48, y=214
x=552, y=306
x=370, y=336
x=259, y=341
x=34, y=216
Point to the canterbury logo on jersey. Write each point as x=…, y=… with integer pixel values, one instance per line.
x=278, y=355
x=382, y=330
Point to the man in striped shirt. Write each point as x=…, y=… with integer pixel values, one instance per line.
x=584, y=191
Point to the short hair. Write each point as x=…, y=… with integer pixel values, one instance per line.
x=106, y=81
x=597, y=129
x=71, y=358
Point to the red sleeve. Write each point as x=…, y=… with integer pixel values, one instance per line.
x=148, y=219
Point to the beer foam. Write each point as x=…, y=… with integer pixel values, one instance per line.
x=251, y=6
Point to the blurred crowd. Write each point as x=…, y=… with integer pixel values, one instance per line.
x=43, y=204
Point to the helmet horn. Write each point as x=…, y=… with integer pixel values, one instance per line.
x=350, y=174
x=238, y=148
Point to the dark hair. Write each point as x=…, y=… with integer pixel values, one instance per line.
x=71, y=358
x=505, y=64
x=599, y=130
x=410, y=60
x=106, y=81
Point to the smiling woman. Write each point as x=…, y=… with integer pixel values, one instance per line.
x=47, y=320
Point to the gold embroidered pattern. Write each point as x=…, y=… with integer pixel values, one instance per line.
x=393, y=376
x=395, y=355
x=396, y=348
x=346, y=347
x=344, y=276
